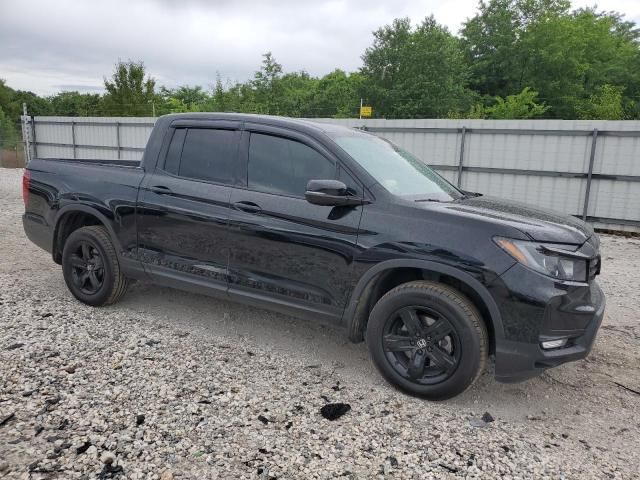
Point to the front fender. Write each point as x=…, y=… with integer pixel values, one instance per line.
x=356, y=321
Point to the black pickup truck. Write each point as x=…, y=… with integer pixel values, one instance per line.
x=335, y=225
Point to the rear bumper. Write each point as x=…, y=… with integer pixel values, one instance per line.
x=549, y=310
x=38, y=231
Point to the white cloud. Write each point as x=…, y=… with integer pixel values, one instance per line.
x=45, y=45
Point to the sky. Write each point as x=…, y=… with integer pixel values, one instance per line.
x=48, y=46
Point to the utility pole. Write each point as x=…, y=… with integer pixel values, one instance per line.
x=360, y=112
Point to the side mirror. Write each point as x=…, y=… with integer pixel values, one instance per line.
x=329, y=193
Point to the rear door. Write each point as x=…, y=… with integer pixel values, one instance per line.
x=184, y=207
x=284, y=249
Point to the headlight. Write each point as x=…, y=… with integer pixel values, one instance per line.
x=555, y=260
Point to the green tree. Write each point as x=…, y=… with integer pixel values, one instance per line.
x=520, y=106
x=565, y=56
x=75, y=104
x=337, y=94
x=11, y=102
x=416, y=72
x=8, y=132
x=6, y=95
x=572, y=57
x=182, y=99
x=194, y=97
x=129, y=92
x=605, y=104
x=219, y=99
x=492, y=41
x=266, y=86
x=295, y=94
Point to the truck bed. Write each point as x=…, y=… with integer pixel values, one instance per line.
x=107, y=188
x=92, y=161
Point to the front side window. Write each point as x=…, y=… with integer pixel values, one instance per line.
x=395, y=169
x=284, y=166
x=207, y=154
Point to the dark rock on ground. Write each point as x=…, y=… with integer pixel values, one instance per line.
x=333, y=411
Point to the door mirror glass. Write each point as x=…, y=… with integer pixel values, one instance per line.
x=330, y=193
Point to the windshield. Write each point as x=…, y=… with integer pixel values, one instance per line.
x=396, y=170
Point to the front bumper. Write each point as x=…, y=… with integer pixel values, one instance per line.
x=536, y=309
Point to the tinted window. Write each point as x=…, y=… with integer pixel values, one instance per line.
x=284, y=166
x=208, y=155
x=172, y=162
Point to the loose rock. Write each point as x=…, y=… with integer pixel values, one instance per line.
x=108, y=458
x=487, y=418
x=166, y=475
x=333, y=411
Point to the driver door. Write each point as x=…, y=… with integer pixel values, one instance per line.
x=284, y=249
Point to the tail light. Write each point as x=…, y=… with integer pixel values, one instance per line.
x=26, y=179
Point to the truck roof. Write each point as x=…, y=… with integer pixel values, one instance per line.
x=298, y=123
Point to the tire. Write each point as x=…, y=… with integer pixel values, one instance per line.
x=90, y=267
x=427, y=339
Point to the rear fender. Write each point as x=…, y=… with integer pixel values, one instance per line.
x=103, y=219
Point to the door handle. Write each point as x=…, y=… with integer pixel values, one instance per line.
x=160, y=189
x=248, y=207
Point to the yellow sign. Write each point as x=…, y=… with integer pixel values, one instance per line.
x=366, y=111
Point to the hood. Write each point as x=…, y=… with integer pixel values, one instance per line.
x=537, y=223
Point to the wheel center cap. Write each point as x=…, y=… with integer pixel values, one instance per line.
x=421, y=343
x=91, y=267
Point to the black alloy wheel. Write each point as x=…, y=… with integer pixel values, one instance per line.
x=91, y=268
x=427, y=339
x=421, y=345
x=87, y=268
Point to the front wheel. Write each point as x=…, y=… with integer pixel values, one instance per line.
x=90, y=267
x=427, y=339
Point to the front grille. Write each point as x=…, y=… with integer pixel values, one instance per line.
x=594, y=267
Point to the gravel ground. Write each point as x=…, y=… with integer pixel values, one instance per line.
x=168, y=384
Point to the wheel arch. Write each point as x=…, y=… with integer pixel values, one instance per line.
x=357, y=311
x=73, y=217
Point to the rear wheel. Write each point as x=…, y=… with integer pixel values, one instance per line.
x=427, y=339
x=90, y=267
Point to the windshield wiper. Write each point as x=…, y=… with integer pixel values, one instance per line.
x=466, y=195
x=428, y=200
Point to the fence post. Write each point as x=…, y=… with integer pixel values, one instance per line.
x=25, y=133
x=461, y=159
x=592, y=156
x=118, y=138
x=73, y=137
x=34, y=141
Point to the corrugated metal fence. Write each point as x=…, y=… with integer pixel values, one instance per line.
x=105, y=138
x=586, y=168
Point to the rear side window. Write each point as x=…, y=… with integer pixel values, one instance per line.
x=280, y=165
x=172, y=162
x=204, y=154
